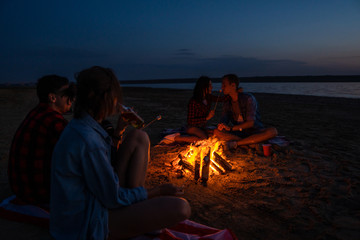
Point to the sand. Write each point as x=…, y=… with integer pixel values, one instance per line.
x=307, y=190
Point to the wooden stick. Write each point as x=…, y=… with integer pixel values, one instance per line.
x=156, y=119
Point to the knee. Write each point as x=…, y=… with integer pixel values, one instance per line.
x=141, y=137
x=176, y=209
x=190, y=130
x=197, y=132
x=183, y=209
x=273, y=132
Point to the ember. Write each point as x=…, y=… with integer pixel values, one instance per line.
x=204, y=158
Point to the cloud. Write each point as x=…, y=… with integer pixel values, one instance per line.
x=31, y=64
x=244, y=66
x=346, y=57
x=184, y=52
x=217, y=67
x=214, y=67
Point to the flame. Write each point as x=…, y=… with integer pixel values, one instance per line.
x=197, y=151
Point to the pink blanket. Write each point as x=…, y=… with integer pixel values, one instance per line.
x=12, y=209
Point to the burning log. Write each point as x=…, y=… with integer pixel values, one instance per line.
x=200, y=157
x=222, y=162
x=217, y=169
x=185, y=164
x=205, y=170
x=197, y=169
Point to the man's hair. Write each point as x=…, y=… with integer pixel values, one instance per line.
x=201, y=85
x=97, y=88
x=49, y=84
x=232, y=78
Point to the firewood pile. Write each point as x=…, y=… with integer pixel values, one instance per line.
x=202, y=159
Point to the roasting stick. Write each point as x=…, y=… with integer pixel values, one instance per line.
x=156, y=119
x=217, y=99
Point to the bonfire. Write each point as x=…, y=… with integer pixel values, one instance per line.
x=204, y=158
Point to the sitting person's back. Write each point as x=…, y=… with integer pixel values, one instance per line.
x=97, y=180
x=34, y=141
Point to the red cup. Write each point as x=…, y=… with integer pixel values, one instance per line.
x=266, y=149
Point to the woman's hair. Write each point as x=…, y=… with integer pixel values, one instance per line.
x=49, y=84
x=97, y=89
x=202, y=85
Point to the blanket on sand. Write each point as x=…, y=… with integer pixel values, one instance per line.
x=13, y=209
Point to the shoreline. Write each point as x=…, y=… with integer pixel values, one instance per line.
x=132, y=88
x=321, y=89
x=254, y=79
x=260, y=79
x=326, y=89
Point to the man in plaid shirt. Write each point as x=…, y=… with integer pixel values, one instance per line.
x=34, y=141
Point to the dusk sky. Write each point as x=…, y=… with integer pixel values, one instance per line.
x=153, y=39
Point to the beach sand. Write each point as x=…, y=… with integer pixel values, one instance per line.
x=307, y=190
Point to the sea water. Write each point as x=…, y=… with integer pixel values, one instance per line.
x=326, y=89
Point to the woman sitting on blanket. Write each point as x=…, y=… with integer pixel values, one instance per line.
x=97, y=193
x=199, y=111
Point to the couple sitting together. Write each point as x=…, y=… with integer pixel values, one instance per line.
x=240, y=122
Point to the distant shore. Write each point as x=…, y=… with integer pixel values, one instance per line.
x=323, y=78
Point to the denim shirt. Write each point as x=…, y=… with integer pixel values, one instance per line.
x=83, y=183
x=248, y=110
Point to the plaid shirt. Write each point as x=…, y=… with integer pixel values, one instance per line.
x=31, y=152
x=198, y=111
